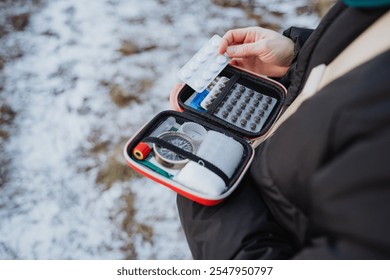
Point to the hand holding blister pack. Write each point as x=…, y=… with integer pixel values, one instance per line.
x=204, y=151
x=205, y=66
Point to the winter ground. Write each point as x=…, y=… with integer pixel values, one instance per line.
x=77, y=79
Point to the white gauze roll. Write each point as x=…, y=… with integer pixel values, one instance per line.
x=222, y=151
x=200, y=179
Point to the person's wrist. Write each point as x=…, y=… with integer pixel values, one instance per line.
x=291, y=52
x=298, y=36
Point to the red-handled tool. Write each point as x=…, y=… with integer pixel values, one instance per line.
x=141, y=151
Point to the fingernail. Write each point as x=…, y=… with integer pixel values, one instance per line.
x=231, y=50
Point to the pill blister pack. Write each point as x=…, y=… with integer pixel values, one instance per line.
x=204, y=66
x=245, y=108
x=202, y=100
x=214, y=92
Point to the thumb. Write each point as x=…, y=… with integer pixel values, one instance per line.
x=245, y=50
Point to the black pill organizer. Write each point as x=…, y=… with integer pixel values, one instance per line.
x=203, y=151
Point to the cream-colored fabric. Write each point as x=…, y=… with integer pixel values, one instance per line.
x=368, y=45
x=308, y=91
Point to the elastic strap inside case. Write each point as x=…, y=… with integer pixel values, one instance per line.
x=187, y=155
x=144, y=136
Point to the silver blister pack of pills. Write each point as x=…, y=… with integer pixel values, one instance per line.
x=204, y=66
x=214, y=92
x=245, y=108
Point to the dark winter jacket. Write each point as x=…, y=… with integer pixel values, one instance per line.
x=319, y=188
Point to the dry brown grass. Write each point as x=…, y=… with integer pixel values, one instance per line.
x=251, y=8
x=322, y=6
x=129, y=48
x=114, y=171
x=7, y=115
x=20, y=21
x=109, y=161
x=131, y=226
x=123, y=97
x=2, y=61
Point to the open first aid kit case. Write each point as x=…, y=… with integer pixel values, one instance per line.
x=203, y=151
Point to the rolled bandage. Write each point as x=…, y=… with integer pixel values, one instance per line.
x=200, y=179
x=222, y=151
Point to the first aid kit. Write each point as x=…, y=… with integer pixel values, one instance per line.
x=203, y=151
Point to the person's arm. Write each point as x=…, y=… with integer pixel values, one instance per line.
x=241, y=227
x=350, y=205
x=299, y=36
x=260, y=50
x=350, y=211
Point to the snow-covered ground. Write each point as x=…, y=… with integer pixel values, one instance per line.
x=79, y=79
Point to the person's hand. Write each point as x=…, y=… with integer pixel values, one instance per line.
x=259, y=50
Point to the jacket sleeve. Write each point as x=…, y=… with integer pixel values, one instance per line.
x=241, y=227
x=351, y=213
x=298, y=36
